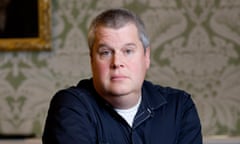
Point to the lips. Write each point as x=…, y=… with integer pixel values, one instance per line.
x=118, y=77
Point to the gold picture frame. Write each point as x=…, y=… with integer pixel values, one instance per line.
x=42, y=41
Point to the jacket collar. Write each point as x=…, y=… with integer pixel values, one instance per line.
x=152, y=95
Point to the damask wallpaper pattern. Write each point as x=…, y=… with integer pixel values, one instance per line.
x=195, y=46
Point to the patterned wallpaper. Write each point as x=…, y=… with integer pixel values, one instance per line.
x=195, y=46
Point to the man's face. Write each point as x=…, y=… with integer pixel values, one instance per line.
x=119, y=63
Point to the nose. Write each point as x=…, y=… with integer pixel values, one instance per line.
x=117, y=61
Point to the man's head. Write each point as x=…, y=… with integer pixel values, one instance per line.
x=117, y=18
x=120, y=56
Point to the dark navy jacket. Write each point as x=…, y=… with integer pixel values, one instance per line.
x=78, y=115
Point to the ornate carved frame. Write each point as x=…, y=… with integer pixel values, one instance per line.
x=42, y=42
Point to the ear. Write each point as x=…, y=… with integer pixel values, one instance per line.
x=147, y=57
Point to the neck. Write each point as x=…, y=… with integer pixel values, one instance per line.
x=122, y=102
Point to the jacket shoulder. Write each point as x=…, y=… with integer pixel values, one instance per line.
x=73, y=95
x=168, y=93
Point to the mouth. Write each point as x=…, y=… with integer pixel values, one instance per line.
x=118, y=78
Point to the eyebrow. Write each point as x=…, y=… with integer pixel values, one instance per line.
x=130, y=44
x=103, y=45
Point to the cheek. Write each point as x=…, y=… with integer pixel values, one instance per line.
x=140, y=63
x=99, y=68
x=135, y=68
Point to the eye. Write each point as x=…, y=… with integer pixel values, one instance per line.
x=105, y=53
x=128, y=51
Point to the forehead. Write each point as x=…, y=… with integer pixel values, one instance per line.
x=127, y=31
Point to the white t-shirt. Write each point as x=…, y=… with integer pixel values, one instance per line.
x=129, y=114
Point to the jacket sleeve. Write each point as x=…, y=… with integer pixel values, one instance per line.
x=190, y=129
x=68, y=121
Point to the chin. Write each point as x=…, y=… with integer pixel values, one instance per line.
x=119, y=92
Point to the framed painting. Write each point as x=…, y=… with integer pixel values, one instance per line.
x=25, y=25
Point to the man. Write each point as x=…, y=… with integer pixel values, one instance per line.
x=117, y=106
